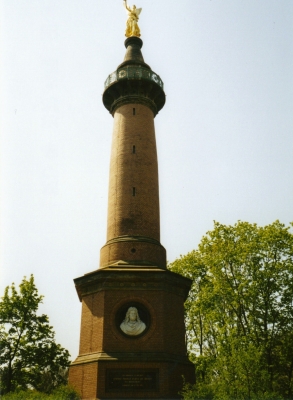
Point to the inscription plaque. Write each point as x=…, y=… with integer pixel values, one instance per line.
x=132, y=379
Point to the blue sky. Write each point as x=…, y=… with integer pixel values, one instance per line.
x=224, y=137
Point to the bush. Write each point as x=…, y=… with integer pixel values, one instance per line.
x=61, y=393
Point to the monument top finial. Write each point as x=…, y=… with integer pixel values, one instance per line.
x=132, y=28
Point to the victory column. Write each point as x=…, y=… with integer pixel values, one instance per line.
x=132, y=338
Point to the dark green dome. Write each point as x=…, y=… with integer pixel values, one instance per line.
x=134, y=82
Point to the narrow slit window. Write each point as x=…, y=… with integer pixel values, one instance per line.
x=133, y=191
x=133, y=111
x=133, y=149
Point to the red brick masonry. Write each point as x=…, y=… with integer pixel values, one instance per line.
x=103, y=347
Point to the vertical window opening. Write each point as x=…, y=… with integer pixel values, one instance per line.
x=133, y=111
x=133, y=149
x=133, y=191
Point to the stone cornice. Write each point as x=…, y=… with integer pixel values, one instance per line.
x=141, y=357
x=127, y=277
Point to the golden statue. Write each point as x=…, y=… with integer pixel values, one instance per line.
x=132, y=28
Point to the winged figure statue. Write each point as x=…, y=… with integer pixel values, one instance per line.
x=132, y=28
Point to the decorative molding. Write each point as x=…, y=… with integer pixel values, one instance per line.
x=136, y=99
x=140, y=357
x=134, y=84
x=133, y=239
x=133, y=72
x=134, y=280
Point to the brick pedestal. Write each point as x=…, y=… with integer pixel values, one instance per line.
x=112, y=365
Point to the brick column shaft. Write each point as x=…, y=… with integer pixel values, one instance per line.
x=133, y=207
x=133, y=234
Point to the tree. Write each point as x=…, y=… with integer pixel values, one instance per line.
x=30, y=358
x=239, y=313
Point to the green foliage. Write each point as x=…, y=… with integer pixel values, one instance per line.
x=30, y=358
x=61, y=393
x=239, y=313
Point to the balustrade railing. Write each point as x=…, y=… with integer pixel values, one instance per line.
x=133, y=72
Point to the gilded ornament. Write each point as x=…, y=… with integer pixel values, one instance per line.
x=132, y=28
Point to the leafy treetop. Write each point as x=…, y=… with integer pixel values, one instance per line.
x=239, y=313
x=30, y=356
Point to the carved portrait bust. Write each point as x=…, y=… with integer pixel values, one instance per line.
x=132, y=324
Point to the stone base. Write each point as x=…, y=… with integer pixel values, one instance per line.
x=130, y=379
x=114, y=365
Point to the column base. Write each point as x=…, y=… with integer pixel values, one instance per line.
x=136, y=250
x=125, y=379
